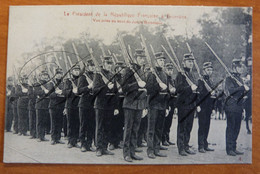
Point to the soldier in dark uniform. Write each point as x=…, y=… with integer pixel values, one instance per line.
x=22, y=105
x=171, y=107
x=9, y=105
x=135, y=102
x=86, y=108
x=157, y=102
x=72, y=111
x=56, y=106
x=15, y=112
x=32, y=111
x=41, y=91
x=234, y=106
x=186, y=104
x=105, y=106
x=206, y=100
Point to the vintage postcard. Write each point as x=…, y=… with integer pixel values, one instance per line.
x=100, y=84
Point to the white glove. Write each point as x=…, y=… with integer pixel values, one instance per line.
x=163, y=86
x=213, y=92
x=170, y=108
x=246, y=87
x=65, y=111
x=116, y=112
x=144, y=113
x=110, y=85
x=120, y=90
x=75, y=90
x=213, y=112
x=46, y=91
x=141, y=84
x=8, y=93
x=24, y=90
x=58, y=91
x=90, y=86
x=198, y=109
x=167, y=113
x=193, y=87
x=172, y=90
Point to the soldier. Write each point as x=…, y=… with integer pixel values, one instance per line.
x=206, y=100
x=86, y=108
x=234, y=106
x=56, y=106
x=9, y=104
x=135, y=102
x=22, y=105
x=186, y=104
x=171, y=107
x=32, y=111
x=41, y=91
x=71, y=106
x=104, y=105
x=157, y=102
x=118, y=120
x=15, y=112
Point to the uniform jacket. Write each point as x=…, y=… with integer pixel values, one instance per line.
x=72, y=100
x=23, y=98
x=57, y=100
x=87, y=98
x=42, y=100
x=185, y=97
x=204, y=97
x=32, y=98
x=134, y=97
x=157, y=99
x=105, y=98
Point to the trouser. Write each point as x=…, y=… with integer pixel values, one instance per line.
x=56, y=115
x=23, y=116
x=41, y=122
x=8, y=117
x=73, y=125
x=167, y=125
x=103, y=128
x=204, y=125
x=155, y=130
x=32, y=123
x=87, y=126
x=65, y=130
x=185, y=123
x=48, y=124
x=233, y=127
x=248, y=110
x=117, y=128
x=131, y=127
x=15, y=117
x=142, y=132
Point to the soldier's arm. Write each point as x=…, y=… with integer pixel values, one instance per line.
x=181, y=85
x=152, y=86
x=67, y=90
x=83, y=85
x=98, y=83
x=231, y=87
x=129, y=85
x=19, y=92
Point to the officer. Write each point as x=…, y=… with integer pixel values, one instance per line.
x=56, y=106
x=9, y=104
x=104, y=105
x=157, y=103
x=171, y=106
x=22, y=105
x=32, y=111
x=71, y=106
x=42, y=102
x=234, y=106
x=118, y=120
x=206, y=100
x=86, y=108
x=186, y=104
x=135, y=102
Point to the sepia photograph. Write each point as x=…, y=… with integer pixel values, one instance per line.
x=129, y=84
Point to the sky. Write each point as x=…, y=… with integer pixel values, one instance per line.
x=31, y=24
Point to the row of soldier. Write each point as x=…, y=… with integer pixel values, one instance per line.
x=125, y=104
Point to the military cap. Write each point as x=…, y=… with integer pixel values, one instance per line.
x=140, y=53
x=207, y=65
x=90, y=62
x=188, y=57
x=10, y=79
x=236, y=62
x=119, y=64
x=58, y=70
x=44, y=72
x=76, y=66
x=159, y=55
x=107, y=59
x=169, y=66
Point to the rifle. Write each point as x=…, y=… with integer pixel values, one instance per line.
x=149, y=60
x=113, y=59
x=224, y=66
x=198, y=70
x=73, y=84
x=76, y=52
